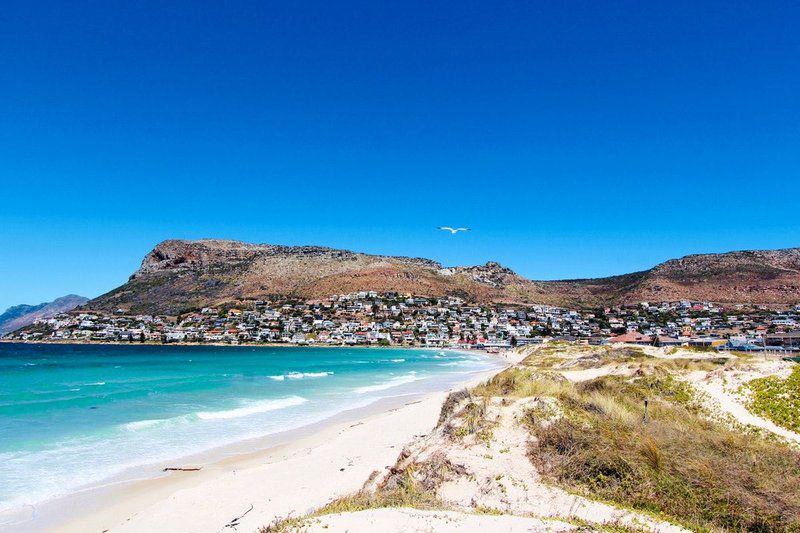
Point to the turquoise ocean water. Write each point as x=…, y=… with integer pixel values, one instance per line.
x=72, y=415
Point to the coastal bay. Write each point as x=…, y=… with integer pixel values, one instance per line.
x=277, y=395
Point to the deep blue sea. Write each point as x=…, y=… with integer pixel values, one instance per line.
x=72, y=415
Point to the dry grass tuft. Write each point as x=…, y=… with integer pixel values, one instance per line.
x=413, y=485
x=678, y=464
x=651, y=453
x=450, y=404
x=521, y=382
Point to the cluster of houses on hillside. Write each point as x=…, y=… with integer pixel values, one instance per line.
x=369, y=318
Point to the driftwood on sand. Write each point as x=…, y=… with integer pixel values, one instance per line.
x=235, y=522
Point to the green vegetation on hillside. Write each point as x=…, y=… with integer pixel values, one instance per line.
x=777, y=399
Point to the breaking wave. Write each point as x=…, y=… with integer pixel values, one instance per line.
x=252, y=408
x=300, y=375
x=394, y=382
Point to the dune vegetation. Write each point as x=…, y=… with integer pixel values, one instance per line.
x=674, y=463
x=404, y=490
x=635, y=436
x=777, y=399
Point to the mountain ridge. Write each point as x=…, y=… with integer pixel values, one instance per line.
x=180, y=275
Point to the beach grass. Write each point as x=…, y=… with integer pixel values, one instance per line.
x=675, y=463
x=643, y=441
x=404, y=490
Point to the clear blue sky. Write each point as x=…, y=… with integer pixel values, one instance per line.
x=576, y=138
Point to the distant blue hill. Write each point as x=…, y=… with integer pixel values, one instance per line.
x=22, y=315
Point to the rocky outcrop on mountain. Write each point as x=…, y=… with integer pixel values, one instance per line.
x=492, y=274
x=178, y=276
x=23, y=315
x=177, y=256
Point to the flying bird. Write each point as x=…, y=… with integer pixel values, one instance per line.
x=452, y=231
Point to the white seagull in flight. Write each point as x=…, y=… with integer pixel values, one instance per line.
x=452, y=231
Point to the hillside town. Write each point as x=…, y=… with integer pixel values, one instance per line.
x=391, y=319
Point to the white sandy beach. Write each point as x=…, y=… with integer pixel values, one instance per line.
x=293, y=479
x=320, y=463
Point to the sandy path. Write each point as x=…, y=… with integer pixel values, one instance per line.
x=722, y=390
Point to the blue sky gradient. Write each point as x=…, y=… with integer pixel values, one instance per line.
x=577, y=139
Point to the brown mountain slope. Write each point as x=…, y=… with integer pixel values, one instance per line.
x=764, y=276
x=747, y=277
x=181, y=275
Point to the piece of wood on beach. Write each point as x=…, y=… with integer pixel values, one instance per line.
x=235, y=522
x=182, y=469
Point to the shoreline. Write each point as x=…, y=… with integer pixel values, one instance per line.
x=250, y=345
x=99, y=507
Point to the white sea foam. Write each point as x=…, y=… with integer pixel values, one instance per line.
x=394, y=382
x=252, y=408
x=144, y=424
x=398, y=360
x=96, y=384
x=300, y=375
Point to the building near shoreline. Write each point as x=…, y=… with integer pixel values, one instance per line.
x=789, y=340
